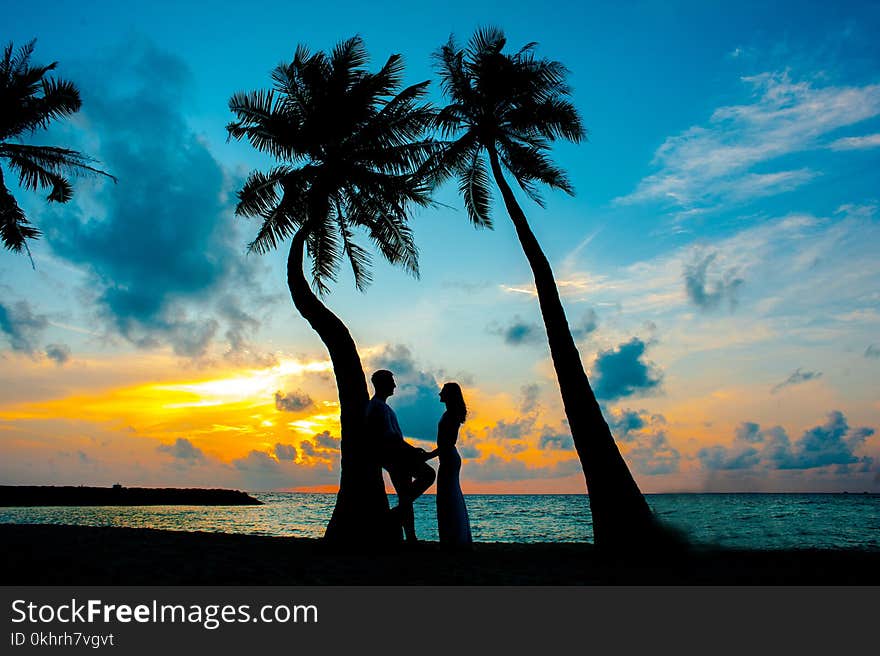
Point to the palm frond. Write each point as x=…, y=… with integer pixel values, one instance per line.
x=256, y=122
x=284, y=218
x=276, y=228
x=259, y=194
x=60, y=99
x=474, y=188
x=552, y=119
x=45, y=166
x=31, y=101
x=348, y=55
x=324, y=250
x=447, y=158
x=528, y=164
x=385, y=219
x=394, y=239
x=454, y=79
x=401, y=120
x=358, y=257
x=15, y=229
x=487, y=40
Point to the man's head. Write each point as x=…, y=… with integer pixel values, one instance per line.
x=383, y=383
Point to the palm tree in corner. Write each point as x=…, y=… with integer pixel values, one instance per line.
x=509, y=108
x=29, y=101
x=348, y=143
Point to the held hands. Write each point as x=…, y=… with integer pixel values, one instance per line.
x=428, y=455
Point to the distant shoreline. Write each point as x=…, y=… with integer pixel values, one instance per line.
x=69, y=495
x=129, y=556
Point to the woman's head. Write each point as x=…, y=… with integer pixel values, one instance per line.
x=452, y=397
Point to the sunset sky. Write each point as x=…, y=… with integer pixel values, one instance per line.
x=718, y=263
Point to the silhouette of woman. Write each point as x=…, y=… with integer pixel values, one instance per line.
x=452, y=516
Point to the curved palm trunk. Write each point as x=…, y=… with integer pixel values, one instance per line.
x=621, y=516
x=361, y=515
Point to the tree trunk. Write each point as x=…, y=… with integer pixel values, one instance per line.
x=361, y=516
x=621, y=516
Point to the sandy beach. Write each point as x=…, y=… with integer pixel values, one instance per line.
x=78, y=555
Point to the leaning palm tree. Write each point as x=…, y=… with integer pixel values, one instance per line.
x=510, y=108
x=348, y=143
x=29, y=101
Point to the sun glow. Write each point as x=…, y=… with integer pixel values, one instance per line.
x=242, y=386
x=226, y=415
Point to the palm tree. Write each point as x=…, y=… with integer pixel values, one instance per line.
x=511, y=107
x=348, y=142
x=30, y=101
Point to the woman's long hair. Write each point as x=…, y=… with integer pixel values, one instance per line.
x=455, y=402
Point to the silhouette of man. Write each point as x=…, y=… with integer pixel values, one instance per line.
x=410, y=474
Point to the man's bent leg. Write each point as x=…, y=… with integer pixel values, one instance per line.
x=402, y=482
x=423, y=477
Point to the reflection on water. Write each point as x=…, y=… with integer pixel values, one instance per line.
x=762, y=521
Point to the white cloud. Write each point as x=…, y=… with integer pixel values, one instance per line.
x=796, y=277
x=711, y=164
x=856, y=143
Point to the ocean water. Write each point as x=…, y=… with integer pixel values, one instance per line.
x=753, y=521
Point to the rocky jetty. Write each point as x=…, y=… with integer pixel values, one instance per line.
x=50, y=495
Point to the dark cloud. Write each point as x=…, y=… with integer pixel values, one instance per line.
x=396, y=358
x=625, y=423
x=586, y=326
x=326, y=441
x=182, y=450
x=22, y=327
x=308, y=449
x=832, y=443
x=292, y=401
x=517, y=429
x=776, y=449
x=261, y=471
x=529, y=399
x=285, y=451
x=722, y=458
x=653, y=455
x=644, y=441
x=60, y=353
x=240, y=327
x=555, y=442
x=518, y=332
x=166, y=242
x=418, y=407
x=416, y=400
x=323, y=448
x=750, y=446
x=797, y=378
x=190, y=338
x=621, y=372
x=707, y=294
x=872, y=352
x=749, y=432
x=257, y=462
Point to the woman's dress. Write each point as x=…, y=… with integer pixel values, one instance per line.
x=452, y=516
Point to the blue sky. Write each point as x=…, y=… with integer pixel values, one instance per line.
x=718, y=262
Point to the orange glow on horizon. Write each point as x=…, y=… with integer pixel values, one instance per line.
x=226, y=415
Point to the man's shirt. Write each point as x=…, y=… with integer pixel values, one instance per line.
x=382, y=427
